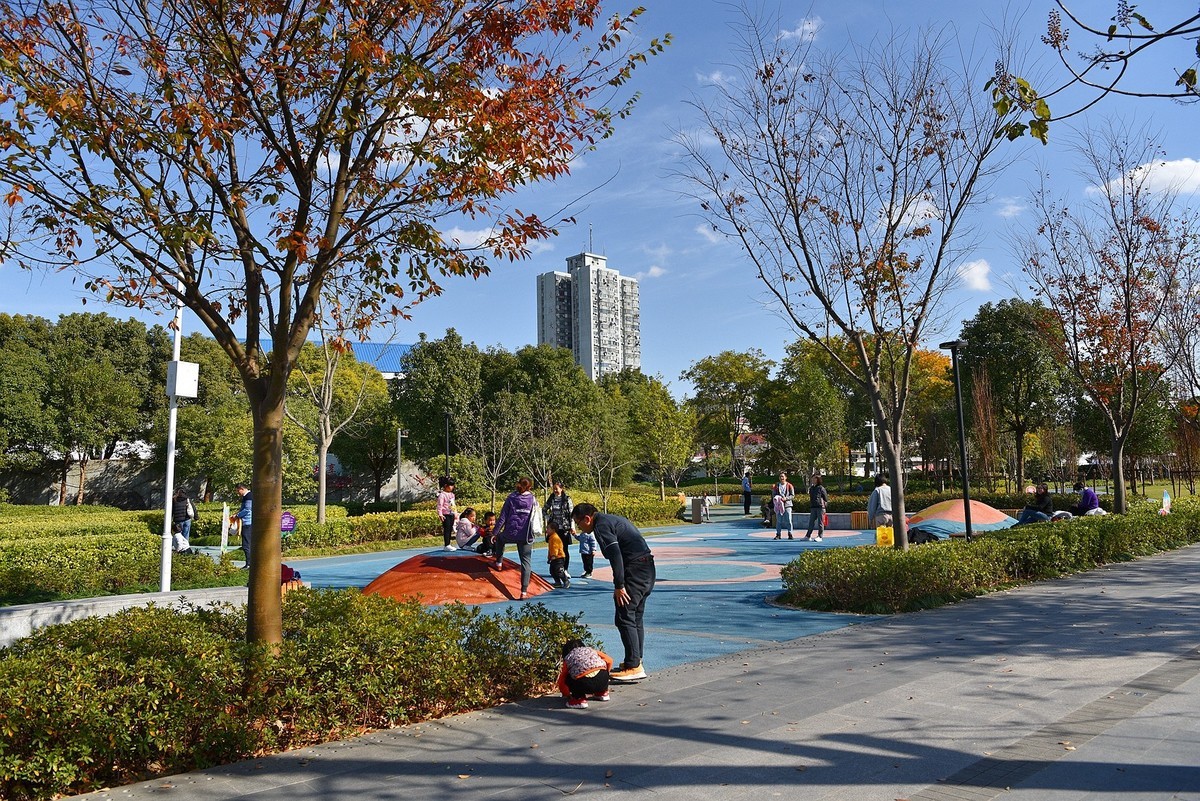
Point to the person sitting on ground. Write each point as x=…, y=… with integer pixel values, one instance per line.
x=584, y=672
x=767, y=510
x=466, y=533
x=487, y=535
x=556, y=556
x=1039, y=508
x=1089, y=503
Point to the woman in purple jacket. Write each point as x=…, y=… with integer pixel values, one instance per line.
x=519, y=522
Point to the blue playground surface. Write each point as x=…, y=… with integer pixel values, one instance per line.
x=711, y=598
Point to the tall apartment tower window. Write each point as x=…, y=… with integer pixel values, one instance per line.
x=595, y=312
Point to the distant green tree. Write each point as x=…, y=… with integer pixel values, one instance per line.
x=325, y=395
x=492, y=433
x=608, y=450
x=662, y=433
x=440, y=377
x=1011, y=343
x=726, y=388
x=369, y=445
x=25, y=426
x=214, y=433
x=560, y=398
x=800, y=411
x=98, y=379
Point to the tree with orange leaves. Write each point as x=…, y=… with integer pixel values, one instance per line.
x=1115, y=270
x=260, y=161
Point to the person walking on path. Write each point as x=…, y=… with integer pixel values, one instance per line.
x=182, y=514
x=747, y=493
x=556, y=557
x=782, y=496
x=447, y=512
x=245, y=516
x=633, y=581
x=818, y=501
x=558, y=511
x=519, y=522
x=879, y=505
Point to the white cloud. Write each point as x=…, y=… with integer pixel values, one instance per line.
x=1010, y=207
x=468, y=238
x=654, y=272
x=805, y=31
x=708, y=233
x=1178, y=175
x=716, y=77
x=976, y=275
x=916, y=212
x=660, y=253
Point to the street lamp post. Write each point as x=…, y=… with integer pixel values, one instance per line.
x=713, y=450
x=954, y=347
x=182, y=382
x=400, y=435
x=872, y=462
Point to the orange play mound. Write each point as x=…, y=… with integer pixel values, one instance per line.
x=443, y=578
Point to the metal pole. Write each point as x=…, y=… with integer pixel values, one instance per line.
x=447, y=414
x=401, y=433
x=714, y=447
x=169, y=486
x=962, y=432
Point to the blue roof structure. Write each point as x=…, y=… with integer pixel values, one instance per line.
x=385, y=356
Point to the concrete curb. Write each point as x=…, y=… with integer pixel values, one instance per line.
x=21, y=621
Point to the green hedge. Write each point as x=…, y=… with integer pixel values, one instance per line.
x=880, y=580
x=109, y=701
x=12, y=511
x=78, y=567
x=110, y=525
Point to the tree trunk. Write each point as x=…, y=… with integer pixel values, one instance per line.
x=82, y=479
x=662, y=489
x=62, y=483
x=322, y=477
x=1019, y=433
x=264, y=616
x=895, y=467
x=1118, y=475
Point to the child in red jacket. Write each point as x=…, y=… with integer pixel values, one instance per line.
x=584, y=672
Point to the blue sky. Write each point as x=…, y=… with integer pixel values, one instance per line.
x=698, y=294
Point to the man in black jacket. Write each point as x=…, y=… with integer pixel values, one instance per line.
x=633, y=581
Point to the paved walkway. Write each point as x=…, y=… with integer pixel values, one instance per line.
x=1083, y=688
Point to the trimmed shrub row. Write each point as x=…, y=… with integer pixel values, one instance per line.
x=881, y=580
x=78, y=567
x=109, y=701
x=111, y=525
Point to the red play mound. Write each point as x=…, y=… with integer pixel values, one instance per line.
x=444, y=578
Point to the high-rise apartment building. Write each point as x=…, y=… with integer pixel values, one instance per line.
x=595, y=312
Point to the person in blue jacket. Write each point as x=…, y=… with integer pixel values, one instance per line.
x=244, y=515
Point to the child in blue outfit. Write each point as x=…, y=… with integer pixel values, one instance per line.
x=587, y=551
